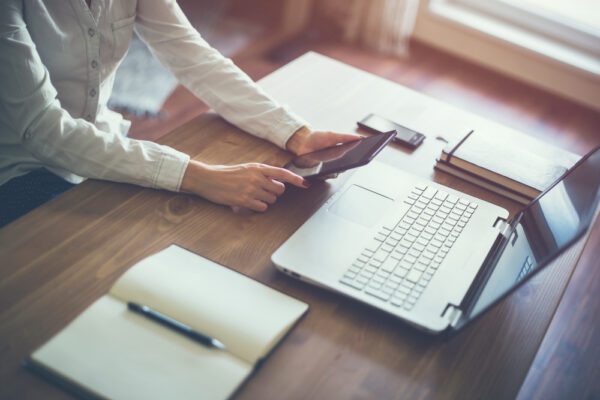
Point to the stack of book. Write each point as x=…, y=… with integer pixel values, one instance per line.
x=511, y=164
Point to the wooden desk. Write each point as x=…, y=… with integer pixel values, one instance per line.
x=58, y=259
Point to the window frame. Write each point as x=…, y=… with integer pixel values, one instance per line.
x=540, y=22
x=484, y=37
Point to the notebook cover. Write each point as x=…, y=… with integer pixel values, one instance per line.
x=516, y=161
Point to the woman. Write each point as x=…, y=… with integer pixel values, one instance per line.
x=57, y=66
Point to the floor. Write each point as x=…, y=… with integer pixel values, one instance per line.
x=568, y=362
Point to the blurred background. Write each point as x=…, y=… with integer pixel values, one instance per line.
x=503, y=59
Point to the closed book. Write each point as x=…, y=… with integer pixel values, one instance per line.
x=509, y=159
x=108, y=351
x=484, y=183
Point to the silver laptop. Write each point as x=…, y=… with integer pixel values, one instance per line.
x=431, y=255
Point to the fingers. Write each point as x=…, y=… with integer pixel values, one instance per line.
x=334, y=138
x=263, y=194
x=241, y=210
x=284, y=175
x=263, y=184
x=252, y=202
x=273, y=186
x=257, y=205
x=266, y=197
x=345, y=137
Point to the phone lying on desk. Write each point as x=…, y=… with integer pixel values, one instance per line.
x=339, y=158
x=375, y=124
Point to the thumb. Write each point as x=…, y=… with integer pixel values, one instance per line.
x=335, y=138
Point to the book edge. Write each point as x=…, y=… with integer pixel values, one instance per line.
x=483, y=183
x=55, y=378
x=498, y=178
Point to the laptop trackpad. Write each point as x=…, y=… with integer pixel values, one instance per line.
x=361, y=205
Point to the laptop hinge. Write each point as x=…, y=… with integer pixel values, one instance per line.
x=452, y=313
x=504, y=227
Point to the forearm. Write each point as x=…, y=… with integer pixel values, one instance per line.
x=58, y=140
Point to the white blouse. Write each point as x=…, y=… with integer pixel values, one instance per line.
x=57, y=66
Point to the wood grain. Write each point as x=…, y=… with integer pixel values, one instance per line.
x=61, y=257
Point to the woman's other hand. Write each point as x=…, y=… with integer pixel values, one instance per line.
x=253, y=186
x=306, y=140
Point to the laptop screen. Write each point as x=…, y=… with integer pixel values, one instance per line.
x=545, y=228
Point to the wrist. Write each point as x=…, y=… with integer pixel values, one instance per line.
x=295, y=143
x=195, y=173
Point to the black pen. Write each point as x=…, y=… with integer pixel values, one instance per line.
x=175, y=325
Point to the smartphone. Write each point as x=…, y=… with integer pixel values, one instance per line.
x=375, y=124
x=341, y=157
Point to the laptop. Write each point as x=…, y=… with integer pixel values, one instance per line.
x=430, y=255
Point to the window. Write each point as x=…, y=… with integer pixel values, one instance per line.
x=553, y=44
x=575, y=23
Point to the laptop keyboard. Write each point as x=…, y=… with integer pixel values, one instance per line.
x=398, y=263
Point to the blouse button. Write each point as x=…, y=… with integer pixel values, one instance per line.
x=91, y=32
x=94, y=64
x=92, y=92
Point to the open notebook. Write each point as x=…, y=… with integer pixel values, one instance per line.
x=112, y=352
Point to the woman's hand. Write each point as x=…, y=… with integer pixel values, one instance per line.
x=253, y=186
x=306, y=140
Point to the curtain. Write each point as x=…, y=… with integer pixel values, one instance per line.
x=383, y=25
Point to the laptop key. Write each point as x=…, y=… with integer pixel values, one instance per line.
x=436, y=243
x=366, y=274
x=350, y=274
x=381, y=255
x=397, y=302
x=413, y=276
x=362, y=279
x=409, y=259
x=420, y=267
x=352, y=283
x=387, y=289
x=443, y=232
x=429, y=192
x=362, y=258
x=373, y=245
x=354, y=269
x=389, y=265
x=377, y=293
x=441, y=195
x=451, y=199
x=386, y=247
x=426, y=236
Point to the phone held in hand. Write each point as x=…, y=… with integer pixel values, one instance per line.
x=339, y=158
x=375, y=124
